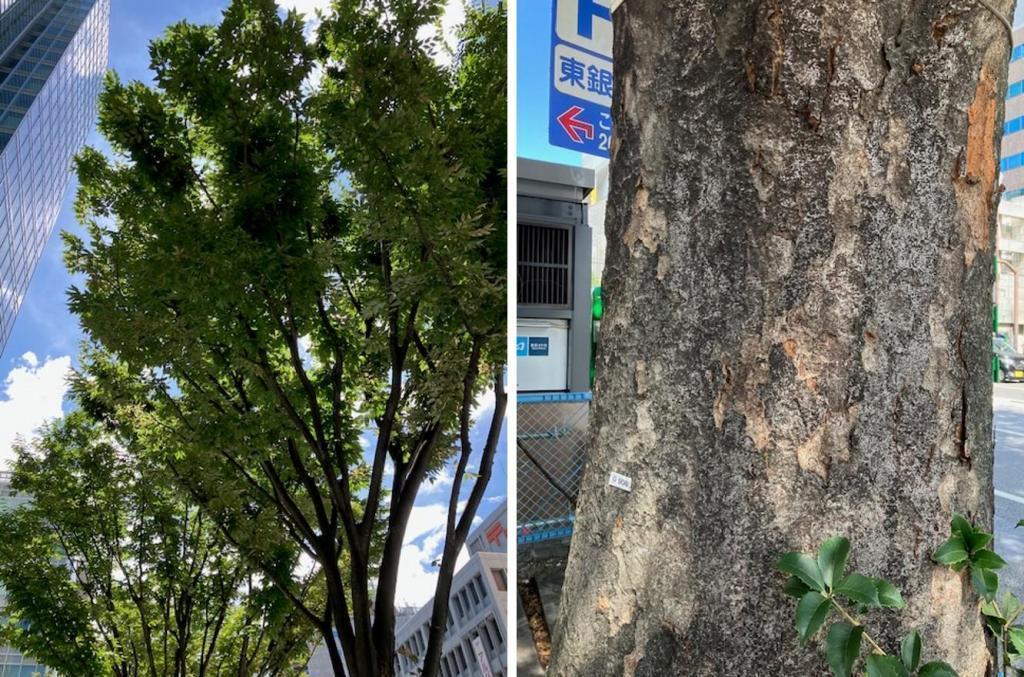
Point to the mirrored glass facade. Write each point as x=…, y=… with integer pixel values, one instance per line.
x=52, y=57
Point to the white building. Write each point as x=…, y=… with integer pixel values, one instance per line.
x=476, y=636
x=475, y=640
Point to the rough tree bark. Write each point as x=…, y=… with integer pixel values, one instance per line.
x=797, y=335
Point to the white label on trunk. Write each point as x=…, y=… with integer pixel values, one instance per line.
x=620, y=482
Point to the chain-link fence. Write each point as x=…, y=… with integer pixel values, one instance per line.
x=551, y=447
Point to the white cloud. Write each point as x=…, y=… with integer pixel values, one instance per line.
x=454, y=16
x=417, y=574
x=305, y=7
x=32, y=394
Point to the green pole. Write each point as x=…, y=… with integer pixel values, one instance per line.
x=597, y=310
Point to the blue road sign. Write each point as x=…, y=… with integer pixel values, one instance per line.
x=521, y=343
x=581, y=76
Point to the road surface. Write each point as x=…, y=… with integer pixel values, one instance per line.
x=1008, y=419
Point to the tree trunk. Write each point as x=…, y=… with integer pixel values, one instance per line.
x=798, y=330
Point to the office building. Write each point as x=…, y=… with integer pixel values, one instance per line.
x=476, y=636
x=53, y=54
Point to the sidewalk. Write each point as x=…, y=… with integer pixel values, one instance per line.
x=544, y=562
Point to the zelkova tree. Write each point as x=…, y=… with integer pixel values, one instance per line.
x=798, y=326
x=299, y=254
x=108, y=570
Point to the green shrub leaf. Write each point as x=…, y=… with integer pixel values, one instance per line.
x=986, y=559
x=937, y=669
x=1020, y=523
x=885, y=666
x=888, y=595
x=910, y=650
x=860, y=589
x=960, y=525
x=810, y=614
x=832, y=559
x=1017, y=639
x=842, y=648
x=804, y=568
x=795, y=587
x=985, y=582
x=977, y=540
x=952, y=551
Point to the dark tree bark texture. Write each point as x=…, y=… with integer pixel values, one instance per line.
x=798, y=327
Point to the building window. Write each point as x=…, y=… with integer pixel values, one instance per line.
x=499, y=579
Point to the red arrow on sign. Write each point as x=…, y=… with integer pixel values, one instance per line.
x=572, y=126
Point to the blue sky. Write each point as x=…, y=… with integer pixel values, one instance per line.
x=45, y=338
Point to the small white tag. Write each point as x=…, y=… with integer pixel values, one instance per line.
x=620, y=482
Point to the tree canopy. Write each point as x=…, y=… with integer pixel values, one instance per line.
x=108, y=571
x=296, y=245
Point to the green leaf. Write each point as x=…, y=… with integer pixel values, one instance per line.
x=1020, y=523
x=910, y=650
x=795, y=587
x=952, y=551
x=986, y=559
x=810, y=614
x=832, y=559
x=978, y=540
x=937, y=669
x=842, y=648
x=889, y=595
x=885, y=666
x=960, y=525
x=989, y=608
x=1017, y=639
x=860, y=589
x=804, y=568
x=985, y=582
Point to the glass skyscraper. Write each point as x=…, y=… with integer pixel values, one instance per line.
x=52, y=57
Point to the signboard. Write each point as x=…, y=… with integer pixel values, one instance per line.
x=532, y=346
x=581, y=76
x=481, y=657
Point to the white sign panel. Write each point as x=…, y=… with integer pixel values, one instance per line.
x=583, y=75
x=586, y=24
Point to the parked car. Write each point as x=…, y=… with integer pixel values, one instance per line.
x=1011, y=363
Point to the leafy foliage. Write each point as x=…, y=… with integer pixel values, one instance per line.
x=967, y=548
x=825, y=590
x=108, y=571
x=299, y=244
x=814, y=582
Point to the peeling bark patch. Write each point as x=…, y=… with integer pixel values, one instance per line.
x=943, y=24
x=641, y=377
x=979, y=169
x=648, y=225
x=809, y=454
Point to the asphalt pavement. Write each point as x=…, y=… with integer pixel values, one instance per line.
x=1008, y=420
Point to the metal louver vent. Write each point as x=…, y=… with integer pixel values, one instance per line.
x=544, y=266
